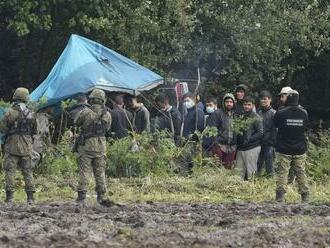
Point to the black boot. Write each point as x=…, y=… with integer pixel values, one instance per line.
x=9, y=196
x=81, y=196
x=104, y=201
x=30, y=198
x=279, y=196
x=305, y=197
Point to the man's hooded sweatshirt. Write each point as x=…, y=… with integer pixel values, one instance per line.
x=222, y=119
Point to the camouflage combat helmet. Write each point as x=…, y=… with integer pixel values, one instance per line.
x=21, y=94
x=97, y=94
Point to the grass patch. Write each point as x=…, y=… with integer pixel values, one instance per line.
x=205, y=185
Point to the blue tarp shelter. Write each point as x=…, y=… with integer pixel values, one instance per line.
x=85, y=65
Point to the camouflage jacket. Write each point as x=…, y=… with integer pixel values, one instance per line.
x=18, y=143
x=92, y=145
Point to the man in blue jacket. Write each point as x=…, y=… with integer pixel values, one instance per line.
x=194, y=119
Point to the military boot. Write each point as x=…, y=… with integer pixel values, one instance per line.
x=305, y=197
x=81, y=197
x=104, y=201
x=30, y=197
x=9, y=196
x=279, y=196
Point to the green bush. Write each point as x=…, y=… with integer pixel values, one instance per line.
x=318, y=160
x=140, y=155
x=58, y=161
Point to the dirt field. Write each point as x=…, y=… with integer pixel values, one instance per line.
x=165, y=225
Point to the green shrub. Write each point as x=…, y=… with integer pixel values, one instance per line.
x=141, y=154
x=318, y=160
x=58, y=161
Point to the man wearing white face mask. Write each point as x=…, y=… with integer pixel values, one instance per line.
x=210, y=121
x=194, y=119
x=224, y=145
x=211, y=107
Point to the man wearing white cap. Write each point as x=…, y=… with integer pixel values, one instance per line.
x=283, y=97
x=291, y=146
x=284, y=94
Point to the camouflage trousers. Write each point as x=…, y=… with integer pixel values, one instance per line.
x=10, y=164
x=98, y=164
x=297, y=163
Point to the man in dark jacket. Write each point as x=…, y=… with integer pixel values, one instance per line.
x=240, y=93
x=211, y=110
x=170, y=119
x=283, y=97
x=141, y=116
x=211, y=120
x=291, y=145
x=268, y=140
x=224, y=145
x=194, y=119
x=74, y=111
x=122, y=119
x=248, y=142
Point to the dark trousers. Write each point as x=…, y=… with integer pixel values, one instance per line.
x=266, y=158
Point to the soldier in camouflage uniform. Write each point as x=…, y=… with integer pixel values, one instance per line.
x=94, y=123
x=291, y=146
x=19, y=126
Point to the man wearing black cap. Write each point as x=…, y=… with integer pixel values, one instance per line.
x=291, y=145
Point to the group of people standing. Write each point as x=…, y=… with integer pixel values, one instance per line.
x=249, y=133
x=248, y=137
x=251, y=145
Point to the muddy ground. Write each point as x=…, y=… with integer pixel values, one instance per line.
x=165, y=225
